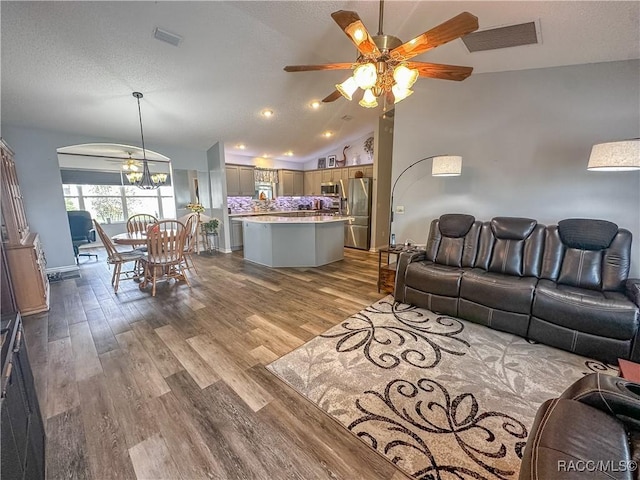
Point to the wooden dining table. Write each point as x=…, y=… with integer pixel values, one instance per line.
x=134, y=239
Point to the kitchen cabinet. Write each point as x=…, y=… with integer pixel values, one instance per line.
x=240, y=180
x=291, y=183
x=236, y=234
x=367, y=171
x=335, y=174
x=312, y=181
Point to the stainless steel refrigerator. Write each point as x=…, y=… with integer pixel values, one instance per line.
x=357, y=193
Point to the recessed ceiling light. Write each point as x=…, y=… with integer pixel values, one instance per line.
x=241, y=146
x=289, y=153
x=265, y=155
x=315, y=104
x=267, y=113
x=327, y=134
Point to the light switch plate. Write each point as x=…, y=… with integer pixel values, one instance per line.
x=400, y=209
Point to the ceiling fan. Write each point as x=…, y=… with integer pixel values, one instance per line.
x=383, y=67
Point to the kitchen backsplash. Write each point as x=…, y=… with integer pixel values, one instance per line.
x=249, y=204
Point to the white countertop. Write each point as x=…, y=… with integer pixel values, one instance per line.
x=272, y=212
x=271, y=219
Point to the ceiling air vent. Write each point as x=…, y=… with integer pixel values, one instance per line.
x=166, y=36
x=503, y=37
x=347, y=118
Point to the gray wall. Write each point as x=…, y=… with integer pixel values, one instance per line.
x=525, y=139
x=41, y=186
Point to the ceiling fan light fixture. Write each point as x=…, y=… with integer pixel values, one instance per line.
x=347, y=88
x=365, y=75
x=404, y=76
x=368, y=99
x=400, y=93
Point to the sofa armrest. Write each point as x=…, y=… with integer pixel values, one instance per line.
x=404, y=260
x=632, y=289
x=613, y=395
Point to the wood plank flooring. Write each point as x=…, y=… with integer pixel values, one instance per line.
x=135, y=387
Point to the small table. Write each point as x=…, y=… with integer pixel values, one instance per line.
x=629, y=370
x=387, y=270
x=133, y=239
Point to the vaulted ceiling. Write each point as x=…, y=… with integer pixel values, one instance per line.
x=72, y=66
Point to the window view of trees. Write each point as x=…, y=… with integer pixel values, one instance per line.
x=111, y=203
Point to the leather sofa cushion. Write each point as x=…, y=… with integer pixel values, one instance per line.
x=582, y=268
x=495, y=290
x=587, y=234
x=433, y=278
x=455, y=225
x=563, y=431
x=607, y=314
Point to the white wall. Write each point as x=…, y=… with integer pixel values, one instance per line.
x=41, y=186
x=233, y=158
x=525, y=138
x=355, y=154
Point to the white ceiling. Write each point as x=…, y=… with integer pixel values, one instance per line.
x=72, y=66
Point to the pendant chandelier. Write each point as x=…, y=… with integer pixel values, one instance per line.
x=145, y=179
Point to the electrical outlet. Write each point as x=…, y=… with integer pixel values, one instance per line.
x=400, y=209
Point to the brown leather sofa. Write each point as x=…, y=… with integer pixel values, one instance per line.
x=563, y=285
x=590, y=432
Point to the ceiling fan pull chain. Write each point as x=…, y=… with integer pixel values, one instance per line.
x=381, y=17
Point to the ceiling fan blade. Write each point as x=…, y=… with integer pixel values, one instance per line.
x=444, y=72
x=351, y=24
x=332, y=97
x=453, y=28
x=327, y=66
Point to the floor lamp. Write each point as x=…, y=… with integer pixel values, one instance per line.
x=443, y=166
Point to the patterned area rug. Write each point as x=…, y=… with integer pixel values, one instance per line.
x=442, y=398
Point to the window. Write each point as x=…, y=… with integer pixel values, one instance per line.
x=114, y=203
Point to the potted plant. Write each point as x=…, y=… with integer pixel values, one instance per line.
x=211, y=227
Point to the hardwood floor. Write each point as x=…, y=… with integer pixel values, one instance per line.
x=175, y=386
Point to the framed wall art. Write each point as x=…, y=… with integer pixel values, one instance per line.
x=322, y=162
x=331, y=161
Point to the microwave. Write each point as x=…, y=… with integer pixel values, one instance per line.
x=331, y=189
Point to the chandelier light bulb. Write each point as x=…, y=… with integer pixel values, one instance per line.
x=368, y=99
x=347, y=88
x=400, y=93
x=365, y=75
x=405, y=77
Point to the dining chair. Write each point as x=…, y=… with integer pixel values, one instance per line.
x=117, y=259
x=140, y=222
x=191, y=224
x=165, y=254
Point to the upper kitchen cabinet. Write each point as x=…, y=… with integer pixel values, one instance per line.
x=291, y=183
x=367, y=171
x=240, y=180
x=312, y=181
x=335, y=174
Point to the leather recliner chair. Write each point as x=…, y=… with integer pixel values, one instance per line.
x=432, y=279
x=589, y=432
x=498, y=292
x=580, y=303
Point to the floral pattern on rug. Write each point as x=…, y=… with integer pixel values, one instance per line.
x=442, y=398
x=414, y=338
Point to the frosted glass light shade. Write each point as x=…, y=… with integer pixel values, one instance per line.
x=615, y=156
x=446, y=166
x=400, y=93
x=347, y=88
x=368, y=99
x=405, y=77
x=365, y=75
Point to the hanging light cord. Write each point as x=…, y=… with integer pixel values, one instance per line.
x=144, y=154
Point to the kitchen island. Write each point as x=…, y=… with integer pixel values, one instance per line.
x=277, y=241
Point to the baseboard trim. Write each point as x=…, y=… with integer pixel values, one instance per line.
x=64, y=269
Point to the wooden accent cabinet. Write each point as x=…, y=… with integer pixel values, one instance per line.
x=22, y=247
